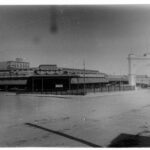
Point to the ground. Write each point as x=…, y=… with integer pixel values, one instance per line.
x=98, y=118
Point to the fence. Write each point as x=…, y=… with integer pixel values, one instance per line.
x=84, y=91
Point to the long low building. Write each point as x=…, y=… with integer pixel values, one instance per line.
x=117, y=79
x=63, y=82
x=50, y=82
x=51, y=78
x=47, y=78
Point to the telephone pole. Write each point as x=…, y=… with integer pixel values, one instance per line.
x=84, y=77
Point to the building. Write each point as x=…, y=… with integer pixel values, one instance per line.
x=79, y=71
x=47, y=67
x=51, y=78
x=142, y=80
x=61, y=70
x=14, y=65
x=117, y=79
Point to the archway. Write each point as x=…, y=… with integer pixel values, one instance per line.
x=134, y=63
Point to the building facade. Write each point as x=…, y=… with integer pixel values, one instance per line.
x=51, y=78
x=14, y=65
x=53, y=68
x=142, y=80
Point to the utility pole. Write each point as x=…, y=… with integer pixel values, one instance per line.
x=84, y=77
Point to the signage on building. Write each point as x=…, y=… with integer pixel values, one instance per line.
x=48, y=67
x=59, y=85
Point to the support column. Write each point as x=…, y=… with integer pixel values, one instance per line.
x=42, y=85
x=131, y=76
x=32, y=84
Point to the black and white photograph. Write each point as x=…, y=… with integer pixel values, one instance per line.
x=75, y=76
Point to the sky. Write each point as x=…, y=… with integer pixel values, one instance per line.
x=100, y=35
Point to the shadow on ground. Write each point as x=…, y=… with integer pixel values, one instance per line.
x=123, y=140
x=128, y=140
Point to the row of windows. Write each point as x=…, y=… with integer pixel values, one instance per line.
x=21, y=65
x=67, y=70
x=48, y=67
x=80, y=71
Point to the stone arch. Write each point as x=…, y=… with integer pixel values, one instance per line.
x=135, y=62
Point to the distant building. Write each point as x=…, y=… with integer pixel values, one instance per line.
x=117, y=79
x=79, y=71
x=47, y=67
x=14, y=65
x=142, y=80
x=53, y=68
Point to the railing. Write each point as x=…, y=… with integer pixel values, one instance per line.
x=81, y=91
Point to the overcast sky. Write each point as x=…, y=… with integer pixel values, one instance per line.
x=66, y=35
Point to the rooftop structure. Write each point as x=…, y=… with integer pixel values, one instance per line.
x=54, y=69
x=14, y=64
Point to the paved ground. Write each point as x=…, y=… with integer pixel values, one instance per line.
x=97, y=118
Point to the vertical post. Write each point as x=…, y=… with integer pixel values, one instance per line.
x=100, y=87
x=77, y=86
x=42, y=85
x=32, y=84
x=129, y=66
x=69, y=84
x=84, y=77
x=131, y=72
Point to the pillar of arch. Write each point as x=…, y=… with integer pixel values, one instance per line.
x=135, y=62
